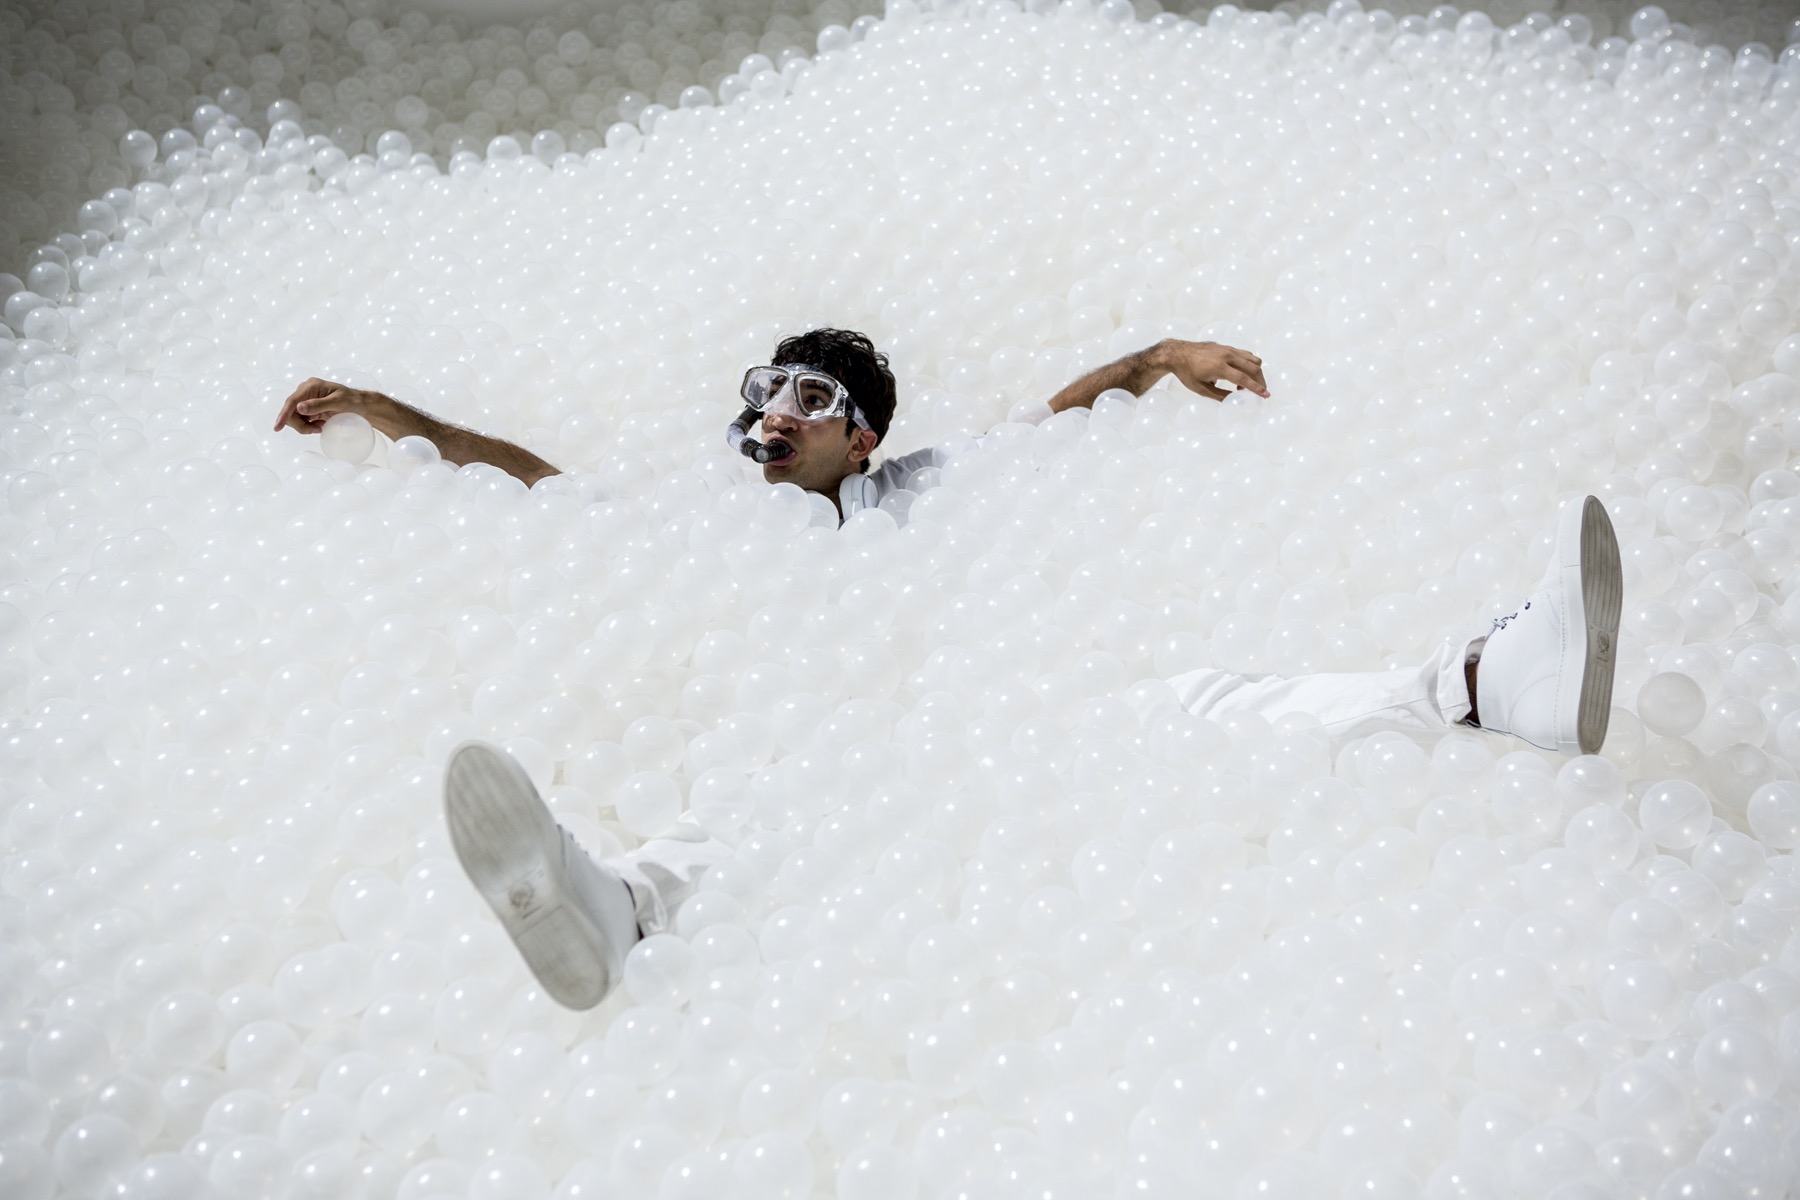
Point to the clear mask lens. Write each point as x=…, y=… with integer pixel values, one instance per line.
x=807, y=395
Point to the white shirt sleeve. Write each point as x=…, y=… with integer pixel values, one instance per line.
x=897, y=473
x=869, y=490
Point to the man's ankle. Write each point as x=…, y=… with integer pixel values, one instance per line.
x=1474, y=717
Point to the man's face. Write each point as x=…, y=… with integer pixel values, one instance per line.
x=823, y=452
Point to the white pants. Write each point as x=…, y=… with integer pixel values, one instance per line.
x=1431, y=697
x=663, y=871
x=1350, y=704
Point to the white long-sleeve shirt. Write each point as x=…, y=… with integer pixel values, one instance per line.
x=868, y=490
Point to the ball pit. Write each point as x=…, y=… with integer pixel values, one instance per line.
x=985, y=931
x=449, y=73
x=91, y=86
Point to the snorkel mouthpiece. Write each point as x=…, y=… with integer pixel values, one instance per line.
x=737, y=436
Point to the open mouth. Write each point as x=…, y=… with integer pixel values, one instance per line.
x=780, y=451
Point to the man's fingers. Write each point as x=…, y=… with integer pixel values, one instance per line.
x=1243, y=373
x=320, y=407
x=1249, y=374
x=1244, y=380
x=311, y=389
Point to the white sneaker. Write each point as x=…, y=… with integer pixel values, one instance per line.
x=571, y=918
x=1546, y=673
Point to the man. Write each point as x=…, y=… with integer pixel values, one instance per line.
x=824, y=403
x=823, y=448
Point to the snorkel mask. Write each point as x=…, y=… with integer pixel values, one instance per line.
x=802, y=392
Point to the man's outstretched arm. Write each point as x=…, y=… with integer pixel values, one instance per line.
x=317, y=400
x=1199, y=365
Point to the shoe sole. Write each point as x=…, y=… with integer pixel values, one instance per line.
x=511, y=848
x=1593, y=593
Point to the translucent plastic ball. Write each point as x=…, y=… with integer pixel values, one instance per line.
x=317, y=1122
x=347, y=437
x=1735, y=1062
x=93, y=1152
x=661, y=970
x=138, y=148
x=1732, y=861
x=1675, y=813
x=648, y=803
x=1671, y=704
x=784, y=510
x=398, y=1112
x=1647, y=927
x=775, y=1165
x=858, y=1112
x=68, y=1057
x=410, y=453
x=644, y=1043
x=509, y=1177
x=1774, y=814
x=530, y=1071
x=1078, y=1125
x=162, y=1177
x=878, y=1173
x=939, y=1059
x=1590, y=779
x=475, y=1126
x=1643, y=1098
x=1395, y=767
x=264, y=1055
x=1643, y=999
x=1603, y=837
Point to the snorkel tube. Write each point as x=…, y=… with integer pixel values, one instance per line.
x=737, y=436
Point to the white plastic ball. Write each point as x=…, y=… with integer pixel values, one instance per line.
x=1734, y=1062
x=1675, y=814
x=877, y=1173
x=93, y=1152
x=347, y=437
x=1774, y=814
x=774, y=1165
x=409, y=453
x=264, y=1055
x=648, y=803
x=1671, y=704
x=661, y=969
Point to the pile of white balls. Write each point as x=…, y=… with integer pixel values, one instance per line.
x=986, y=931
x=76, y=75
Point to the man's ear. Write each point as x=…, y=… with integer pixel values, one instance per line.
x=862, y=444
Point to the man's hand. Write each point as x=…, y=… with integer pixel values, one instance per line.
x=1200, y=365
x=318, y=400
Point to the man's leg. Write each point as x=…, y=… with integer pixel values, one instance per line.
x=1547, y=670
x=573, y=919
x=1543, y=674
x=663, y=871
x=1350, y=704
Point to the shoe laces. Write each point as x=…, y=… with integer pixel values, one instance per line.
x=1502, y=622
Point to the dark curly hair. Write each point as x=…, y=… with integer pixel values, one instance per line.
x=852, y=360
